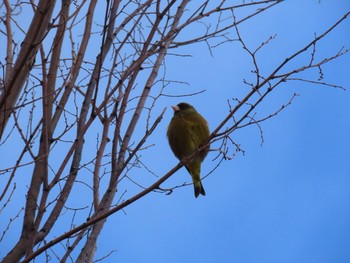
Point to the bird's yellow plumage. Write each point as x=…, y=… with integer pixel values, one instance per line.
x=187, y=131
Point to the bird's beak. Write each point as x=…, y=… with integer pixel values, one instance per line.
x=175, y=108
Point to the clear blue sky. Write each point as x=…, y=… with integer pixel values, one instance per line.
x=285, y=201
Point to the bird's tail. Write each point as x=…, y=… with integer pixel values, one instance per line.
x=198, y=188
x=194, y=168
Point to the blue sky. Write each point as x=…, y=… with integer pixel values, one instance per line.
x=286, y=200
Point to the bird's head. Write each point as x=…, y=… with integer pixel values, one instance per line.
x=182, y=107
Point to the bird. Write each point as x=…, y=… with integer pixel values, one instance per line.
x=186, y=133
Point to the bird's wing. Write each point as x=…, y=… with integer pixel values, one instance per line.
x=199, y=130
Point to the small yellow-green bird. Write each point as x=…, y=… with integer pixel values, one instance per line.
x=186, y=132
